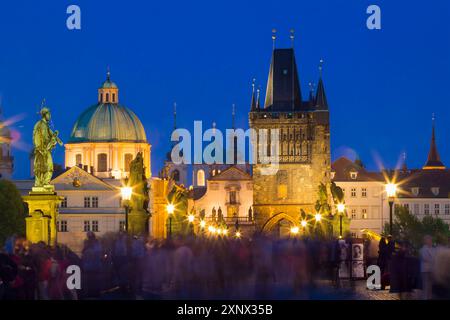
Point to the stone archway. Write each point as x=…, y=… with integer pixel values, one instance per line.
x=277, y=218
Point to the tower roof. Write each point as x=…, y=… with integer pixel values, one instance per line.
x=433, y=161
x=321, y=98
x=283, y=86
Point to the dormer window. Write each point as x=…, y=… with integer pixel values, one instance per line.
x=415, y=191
x=435, y=191
x=353, y=175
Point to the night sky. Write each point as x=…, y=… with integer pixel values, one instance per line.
x=382, y=86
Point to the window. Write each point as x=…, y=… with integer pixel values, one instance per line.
x=436, y=208
x=364, y=192
x=353, y=193
x=233, y=197
x=87, y=202
x=102, y=163
x=94, y=202
x=95, y=226
x=426, y=209
x=64, y=203
x=78, y=160
x=113, y=97
x=416, y=208
x=61, y=226
x=353, y=213
x=87, y=226
x=127, y=161
x=447, y=209
x=353, y=175
x=122, y=225
x=107, y=97
x=364, y=213
x=201, y=178
x=415, y=191
x=435, y=191
x=353, y=234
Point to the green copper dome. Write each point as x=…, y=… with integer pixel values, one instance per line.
x=108, y=122
x=108, y=84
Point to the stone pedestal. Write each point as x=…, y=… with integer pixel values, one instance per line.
x=159, y=209
x=43, y=212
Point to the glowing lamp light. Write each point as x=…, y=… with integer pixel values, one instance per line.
x=318, y=217
x=294, y=230
x=304, y=223
x=391, y=189
x=191, y=218
x=211, y=229
x=170, y=208
x=238, y=234
x=225, y=232
x=341, y=207
x=126, y=193
x=219, y=231
x=202, y=223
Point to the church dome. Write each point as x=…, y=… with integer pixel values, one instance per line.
x=106, y=122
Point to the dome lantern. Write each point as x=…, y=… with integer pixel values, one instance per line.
x=108, y=92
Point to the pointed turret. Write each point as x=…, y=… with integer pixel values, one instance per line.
x=321, y=98
x=258, y=100
x=253, y=102
x=433, y=161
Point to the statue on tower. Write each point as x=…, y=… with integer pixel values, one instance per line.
x=44, y=141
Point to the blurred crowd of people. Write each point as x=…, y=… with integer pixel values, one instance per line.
x=124, y=267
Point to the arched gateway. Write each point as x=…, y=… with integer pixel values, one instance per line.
x=279, y=224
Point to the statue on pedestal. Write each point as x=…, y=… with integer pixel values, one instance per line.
x=44, y=141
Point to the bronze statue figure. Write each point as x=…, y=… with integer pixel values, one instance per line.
x=44, y=141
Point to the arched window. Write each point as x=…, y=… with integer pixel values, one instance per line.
x=176, y=175
x=127, y=160
x=78, y=160
x=201, y=178
x=102, y=162
x=113, y=97
x=101, y=97
x=107, y=97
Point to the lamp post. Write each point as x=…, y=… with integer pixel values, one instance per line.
x=126, y=197
x=170, y=209
x=341, y=210
x=391, y=191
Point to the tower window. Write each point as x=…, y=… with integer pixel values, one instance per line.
x=113, y=97
x=102, y=162
x=101, y=97
x=107, y=97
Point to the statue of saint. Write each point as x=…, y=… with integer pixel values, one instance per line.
x=138, y=182
x=44, y=141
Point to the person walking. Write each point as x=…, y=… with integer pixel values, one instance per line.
x=427, y=256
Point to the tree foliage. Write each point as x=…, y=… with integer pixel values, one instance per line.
x=408, y=227
x=12, y=213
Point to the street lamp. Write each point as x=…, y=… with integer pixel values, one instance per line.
x=391, y=191
x=126, y=197
x=170, y=209
x=304, y=223
x=238, y=234
x=294, y=230
x=341, y=210
x=318, y=217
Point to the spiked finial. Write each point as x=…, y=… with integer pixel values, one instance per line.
x=320, y=67
x=434, y=161
x=253, y=102
x=258, y=104
x=292, y=36
x=233, y=116
x=274, y=37
x=108, y=74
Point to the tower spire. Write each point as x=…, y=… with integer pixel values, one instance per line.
x=108, y=74
x=258, y=92
x=321, y=98
x=433, y=161
x=253, y=102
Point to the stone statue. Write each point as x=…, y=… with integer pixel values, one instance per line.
x=44, y=141
x=138, y=182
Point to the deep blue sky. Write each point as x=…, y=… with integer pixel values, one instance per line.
x=382, y=86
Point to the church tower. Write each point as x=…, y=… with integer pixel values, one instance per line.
x=6, y=159
x=304, y=145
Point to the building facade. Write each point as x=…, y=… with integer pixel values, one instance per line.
x=6, y=158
